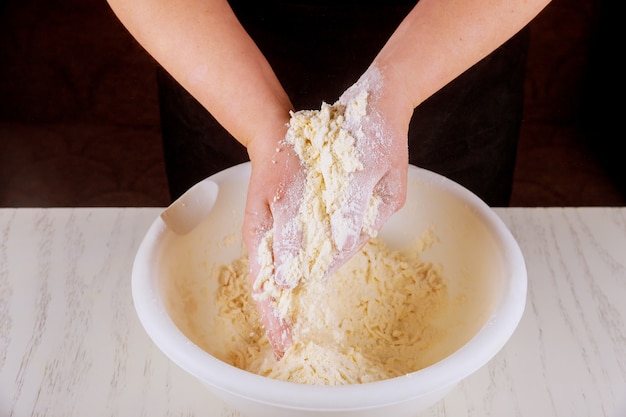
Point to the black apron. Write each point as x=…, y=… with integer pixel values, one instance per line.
x=468, y=131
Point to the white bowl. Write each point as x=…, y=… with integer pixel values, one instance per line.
x=481, y=262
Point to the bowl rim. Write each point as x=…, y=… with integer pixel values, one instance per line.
x=479, y=350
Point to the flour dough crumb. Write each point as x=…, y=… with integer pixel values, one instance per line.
x=325, y=141
x=373, y=319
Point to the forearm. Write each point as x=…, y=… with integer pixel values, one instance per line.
x=440, y=39
x=203, y=46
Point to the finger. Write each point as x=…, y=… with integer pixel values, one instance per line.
x=257, y=224
x=346, y=224
x=386, y=197
x=391, y=194
x=277, y=330
x=342, y=257
x=288, y=233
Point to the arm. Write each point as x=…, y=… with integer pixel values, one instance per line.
x=435, y=43
x=440, y=39
x=204, y=47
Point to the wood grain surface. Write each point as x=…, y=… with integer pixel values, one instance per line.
x=71, y=344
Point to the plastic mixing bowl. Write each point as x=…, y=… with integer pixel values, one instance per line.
x=482, y=263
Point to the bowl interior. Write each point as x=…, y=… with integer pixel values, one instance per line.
x=482, y=267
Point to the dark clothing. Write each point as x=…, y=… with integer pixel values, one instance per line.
x=468, y=131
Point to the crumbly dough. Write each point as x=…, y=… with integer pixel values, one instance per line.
x=374, y=319
x=325, y=143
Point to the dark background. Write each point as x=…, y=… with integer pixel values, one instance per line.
x=79, y=123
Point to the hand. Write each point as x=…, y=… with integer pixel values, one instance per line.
x=274, y=195
x=379, y=189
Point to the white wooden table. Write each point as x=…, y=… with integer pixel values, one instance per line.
x=71, y=345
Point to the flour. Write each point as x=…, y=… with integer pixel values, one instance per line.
x=375, y=318
x=327, y=221
x=370, y=320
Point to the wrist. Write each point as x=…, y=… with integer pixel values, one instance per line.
x=393, y=94
x=263, y=144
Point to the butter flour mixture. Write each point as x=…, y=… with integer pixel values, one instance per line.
x=369, y=321
x=325, y=141
x=373, y=319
